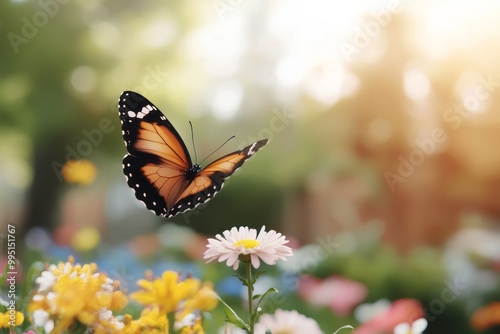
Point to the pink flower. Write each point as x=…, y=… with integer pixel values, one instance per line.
x=30, y=332
x=338, y=293
x=401, y=311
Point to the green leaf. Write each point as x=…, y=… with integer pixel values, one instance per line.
x=30, y=281
x=243, y=280
x=232, y=317
x=269, y=291
x=4, y=274
x=344, y=327
x=256, y=296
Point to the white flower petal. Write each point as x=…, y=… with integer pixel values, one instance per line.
x=290, y=322
x=402, y=328
x=419, y=326
x=40, y=318
x=255, y=261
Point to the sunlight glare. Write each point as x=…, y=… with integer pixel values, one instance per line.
x=290, y=72
x=227, y=99
x=218, y=47
x=104, y=34
x=331, y=83
x=466, y=89
x=443, y=27
x=416, y=84
x=83, y=79
x=159, y=33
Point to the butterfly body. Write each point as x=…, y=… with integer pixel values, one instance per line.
x=158, y=165
x=192, y=172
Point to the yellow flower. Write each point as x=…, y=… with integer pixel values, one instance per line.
x=79, y=171
x=205, y=299
x=166, y=292
x=169, y=294
x=11, y=316
x=70, y=293
x=86, y=239
x=151, y=321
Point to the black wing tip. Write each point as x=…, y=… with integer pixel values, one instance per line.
x=263, y=142
x=259, y=144
x=129, y=93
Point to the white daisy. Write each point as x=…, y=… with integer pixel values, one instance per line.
x=417, y=327
x=289, y=322
x=268, y=246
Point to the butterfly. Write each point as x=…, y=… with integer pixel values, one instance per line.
x=158, y=165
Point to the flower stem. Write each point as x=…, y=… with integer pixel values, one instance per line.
x=250, y=297
x=171, y=321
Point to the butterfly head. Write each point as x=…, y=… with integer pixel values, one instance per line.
x=193, y=171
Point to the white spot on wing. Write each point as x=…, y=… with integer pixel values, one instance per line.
x=250, y=150
x=131, y=114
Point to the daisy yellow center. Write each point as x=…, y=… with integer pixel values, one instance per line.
x=247, y=243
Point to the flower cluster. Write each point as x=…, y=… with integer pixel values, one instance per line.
x=70, y=295
x=169, y=295
x=74, y=298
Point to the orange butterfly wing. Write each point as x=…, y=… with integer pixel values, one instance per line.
x=210, y=180
x=157, y=158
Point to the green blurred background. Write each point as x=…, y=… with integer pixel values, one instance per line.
x=382, y=118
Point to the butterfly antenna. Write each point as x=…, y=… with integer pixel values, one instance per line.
x=218, y=148
x=192, y=139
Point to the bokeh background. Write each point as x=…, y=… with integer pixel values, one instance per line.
x=383, y=120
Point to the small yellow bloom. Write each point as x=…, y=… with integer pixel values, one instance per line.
x=151, y=321
x=79, y=171
x=205, y=299
x=166, y=292
x=11, y=316
x=86, y=239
